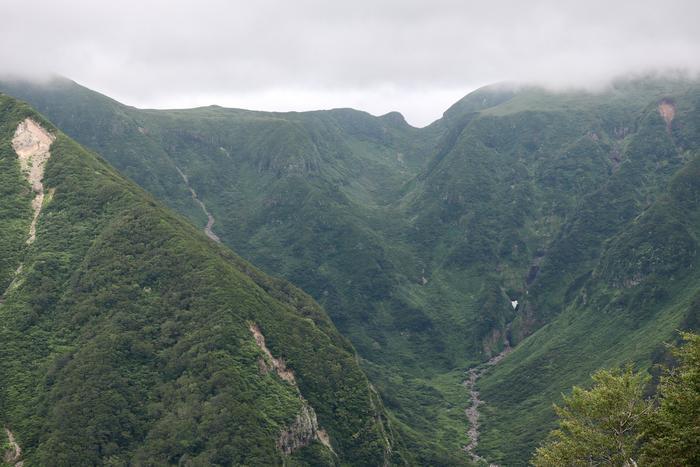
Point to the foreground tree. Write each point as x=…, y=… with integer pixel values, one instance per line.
x=600, y=426
x=673, y=434
x=613, y=424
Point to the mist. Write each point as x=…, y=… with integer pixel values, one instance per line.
x=416, y=57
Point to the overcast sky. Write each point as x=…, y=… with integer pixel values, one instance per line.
x=417, y=57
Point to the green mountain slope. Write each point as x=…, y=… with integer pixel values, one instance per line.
x=417, y=240
x=629, y=259
x=540, y=199
x=127, y=337
x=307, y=196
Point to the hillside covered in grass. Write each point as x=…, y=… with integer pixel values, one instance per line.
x=127, y=337
x=579, y=206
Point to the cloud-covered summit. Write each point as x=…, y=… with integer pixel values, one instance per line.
x=413, y=56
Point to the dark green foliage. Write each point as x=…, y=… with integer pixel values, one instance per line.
x=416, y=240
x=301, y=195
x=632, y=292
x=635, y=255
x=617, y=422
x=600, y=426
x=672, y=436
x=126, y=337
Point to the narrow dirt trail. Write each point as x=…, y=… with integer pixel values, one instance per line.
x=14, y=453
x=472, y=411
x=210, y=218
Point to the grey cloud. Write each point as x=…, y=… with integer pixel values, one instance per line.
x=411, y=56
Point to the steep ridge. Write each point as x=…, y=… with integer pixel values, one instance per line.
x=127, y=341
x=418, y=241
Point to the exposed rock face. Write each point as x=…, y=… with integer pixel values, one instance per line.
x=14, y=284
x=322, y=436
x=31, y=143
x=14, y=452
x=304, y=429
x=667, y=110
x=300, y=433
x=271, y=362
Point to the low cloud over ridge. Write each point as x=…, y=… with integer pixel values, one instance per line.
x=416, y=57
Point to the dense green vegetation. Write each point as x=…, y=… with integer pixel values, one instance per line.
x=303, y=196
x=671, y=435
x=583, y=207
x=125, y=338
x=615, y=423
x=600, y=426
x=630, y=266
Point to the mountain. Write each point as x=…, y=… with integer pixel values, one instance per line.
x=583, y=209
x=129, y=337
x=555, y=229
x=305, y=196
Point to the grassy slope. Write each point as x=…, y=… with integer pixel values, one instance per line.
x=126, y=338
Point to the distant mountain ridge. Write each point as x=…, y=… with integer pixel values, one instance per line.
x=416, y=240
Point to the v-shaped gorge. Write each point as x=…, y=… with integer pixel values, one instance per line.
x=418, y=242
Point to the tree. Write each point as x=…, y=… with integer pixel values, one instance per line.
x=600, y=426
x=673, y=434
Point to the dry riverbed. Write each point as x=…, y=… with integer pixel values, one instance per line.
x=472, y=411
